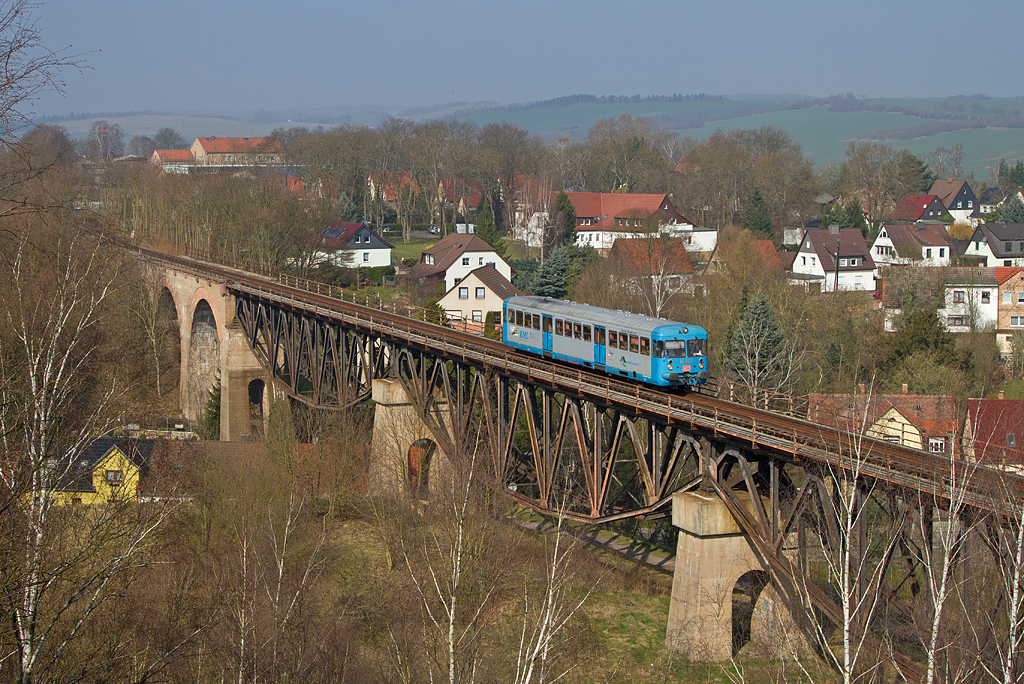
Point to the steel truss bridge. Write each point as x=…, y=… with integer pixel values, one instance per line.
x=564, y=440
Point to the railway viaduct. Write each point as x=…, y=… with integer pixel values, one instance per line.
x=213, y=349
x=753, y=487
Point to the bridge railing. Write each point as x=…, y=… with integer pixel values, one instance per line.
x=373, y=301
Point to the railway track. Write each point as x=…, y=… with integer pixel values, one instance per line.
x=791, y=436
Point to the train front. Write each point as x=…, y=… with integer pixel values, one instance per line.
x=680, y=355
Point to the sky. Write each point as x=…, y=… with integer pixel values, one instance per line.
x=222, y=56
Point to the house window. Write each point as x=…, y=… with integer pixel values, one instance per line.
x=959, y=296
x=842, y=262
x=853, y=262
x=1020, y=297
x=1017, y=321
x=970, y=204
x=465, y=261
x=480, y=261
x=955, y=320
x=477, y=317
x=479, y=293
x=803, y=261
x=463, y=293
x=1007, y=246
x=1006, y=297
x=1022, y=246
x=114, y=477
x=1007, y=263
x=497, y=317
x=986, y=297
x=942, y=252
x=928, y=253
x=366, y=256
x=937, y=445
x=814, y=261
x=1011, y=440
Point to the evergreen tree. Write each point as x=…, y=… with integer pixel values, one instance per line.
x=755, y=215
x=1012, y=211
x=758, y=353
x=552, y=277
x=562, y=228
x=488, y=232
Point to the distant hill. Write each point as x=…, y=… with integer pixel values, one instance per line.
x=988, y=128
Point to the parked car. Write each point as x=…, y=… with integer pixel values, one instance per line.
x=435, y=229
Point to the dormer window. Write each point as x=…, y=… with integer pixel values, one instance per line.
x=853, y=262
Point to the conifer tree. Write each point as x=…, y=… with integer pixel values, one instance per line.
x=755, y=215
x=488, y=232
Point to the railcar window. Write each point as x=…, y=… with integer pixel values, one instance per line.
x=659, y=349
x=577, y=331
x=613, y=339
x=696, y=347
x=586, y=333
x=519, y=318
x=536, y=321
x=645, y=346
x=558, y=326
x=546, y=323
x=623, y=341
x=634, y=344
x=599, y=336
x=674, y=349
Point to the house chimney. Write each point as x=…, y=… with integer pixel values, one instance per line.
x=906, y=388
x=1002, y=394
x=834, y=230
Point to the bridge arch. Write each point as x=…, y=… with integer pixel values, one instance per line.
x=203, y=357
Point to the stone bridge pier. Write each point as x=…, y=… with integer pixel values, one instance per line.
x=403, y=454
x=213, y=347
x=713, y=559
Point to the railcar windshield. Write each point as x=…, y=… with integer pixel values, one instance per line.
x=696, y=347
x=673, y=349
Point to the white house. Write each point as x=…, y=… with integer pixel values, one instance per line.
x=840, y=257
x=923, y=244
x=482, y=290
x=997, y=244
x=353, y=245
x=453, y=258
x=971, y=300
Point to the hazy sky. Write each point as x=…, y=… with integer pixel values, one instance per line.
x=224, y=55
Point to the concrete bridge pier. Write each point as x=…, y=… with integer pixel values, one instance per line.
x=404, y=458
x=712, y=556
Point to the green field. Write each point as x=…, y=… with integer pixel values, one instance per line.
x=823, y=133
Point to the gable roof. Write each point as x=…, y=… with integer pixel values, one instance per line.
x=990, y=424
x=79, y=477
x=922, y=233
x=608, y=206
x=947, y=190
x=214, y=145
x=495, y=282
x=446, y=251
x=912, y=207
x=933, y=415
x=172, y=156
x=848, y=242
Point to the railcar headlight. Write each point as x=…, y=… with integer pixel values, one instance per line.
x=701, y=364
x=670, y=365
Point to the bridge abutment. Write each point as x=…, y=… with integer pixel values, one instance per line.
x=712, y=554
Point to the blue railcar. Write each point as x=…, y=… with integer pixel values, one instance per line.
x=634, y=346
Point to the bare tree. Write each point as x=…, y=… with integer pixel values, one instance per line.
x=62, y=566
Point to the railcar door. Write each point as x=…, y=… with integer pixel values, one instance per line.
x=599, y=347
x=547, y=328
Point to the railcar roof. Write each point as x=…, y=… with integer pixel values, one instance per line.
x=594, y=314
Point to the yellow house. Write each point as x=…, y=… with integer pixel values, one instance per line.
x=108, y=469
